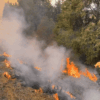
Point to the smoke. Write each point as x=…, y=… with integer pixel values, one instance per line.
x=33, y=54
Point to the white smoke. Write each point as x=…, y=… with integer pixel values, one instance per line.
x=31, y=52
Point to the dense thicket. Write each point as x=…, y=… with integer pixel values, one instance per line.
x=78, y=28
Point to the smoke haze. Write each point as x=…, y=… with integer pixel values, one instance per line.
x=49, y=59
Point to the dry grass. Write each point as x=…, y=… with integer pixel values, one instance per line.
x=13, y=90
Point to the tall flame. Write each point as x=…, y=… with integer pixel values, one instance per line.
x=72, y=70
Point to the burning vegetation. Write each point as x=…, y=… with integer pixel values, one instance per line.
x=33, y=80
x=6, y=74
x=72, y=70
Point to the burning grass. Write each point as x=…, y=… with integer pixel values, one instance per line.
x=73, y=71
x=19, y=91
x=11, y=89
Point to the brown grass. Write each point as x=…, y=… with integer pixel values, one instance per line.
x=13, y=90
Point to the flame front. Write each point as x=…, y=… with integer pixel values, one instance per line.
x=56, y=96
x=72, y=70
x=6, y=74
x=97, y=65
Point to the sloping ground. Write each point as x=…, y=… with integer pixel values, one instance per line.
x=11, y=89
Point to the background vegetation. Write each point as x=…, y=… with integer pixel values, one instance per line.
x=73, y=24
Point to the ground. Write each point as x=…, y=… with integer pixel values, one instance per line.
x=11, y=89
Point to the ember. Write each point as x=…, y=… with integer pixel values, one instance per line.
x=53, y=86
x=39, y=90
x=38, y=68
x=56, y=96
x=70, y=95
x=6, y=74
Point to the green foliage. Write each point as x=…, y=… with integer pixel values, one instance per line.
x=75, y=29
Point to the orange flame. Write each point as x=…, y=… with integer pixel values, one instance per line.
x=64, y=71
x=56, y=96
x=6, y=55
x=70, y=95
x=89, y=75
x=72, y=70
x=97, y=65
x=7, y=63
x=53, y=86
x=13, y=2
x=38, y=68
x=39, y=90
x=6, y=74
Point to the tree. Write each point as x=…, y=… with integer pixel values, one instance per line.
x=45, y=29
x=78, y=28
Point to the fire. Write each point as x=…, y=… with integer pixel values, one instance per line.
x=6, y=55
x=56, y=96
x=7, y=63
x=64, y=71
x=72, y=70
x=89, y=75
x=13, y=2
x=97, y=65
x=70, y=95
x=39, y=90
x=53, y=86
x=38, y=68
x=6, y=74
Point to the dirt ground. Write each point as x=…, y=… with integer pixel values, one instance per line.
x=11, y=89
